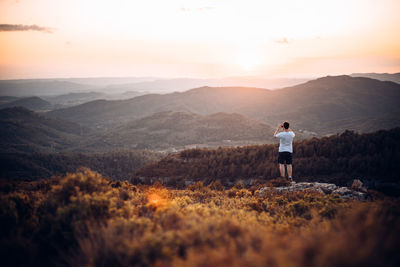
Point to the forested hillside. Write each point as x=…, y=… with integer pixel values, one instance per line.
x=177, y=129
x=338, y=158
x=30, y=166
x=26, y=131
x=32, y=103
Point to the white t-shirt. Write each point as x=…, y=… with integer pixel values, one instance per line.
x=286, y=139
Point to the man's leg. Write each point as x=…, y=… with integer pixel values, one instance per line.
x=282, y=169
x=289, y=170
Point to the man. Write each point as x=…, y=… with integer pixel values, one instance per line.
x=285, y=149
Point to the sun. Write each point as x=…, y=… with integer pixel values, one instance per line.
x=248, y=57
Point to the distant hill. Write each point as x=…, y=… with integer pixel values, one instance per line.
x=37, y=87
x=32, y=103
x=7, y=99
x=119, y=85
x=176, y=129
x=326, y=105
x=183, y=84
x=126, y=95
x=392, y=77
x=205, y=100
x=335, y=103
x=26, y=131
x=75, y=98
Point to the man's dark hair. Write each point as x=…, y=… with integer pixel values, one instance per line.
x=286, y=125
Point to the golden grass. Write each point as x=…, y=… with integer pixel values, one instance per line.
x=84, y=219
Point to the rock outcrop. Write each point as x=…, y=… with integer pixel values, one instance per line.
x=357, y=192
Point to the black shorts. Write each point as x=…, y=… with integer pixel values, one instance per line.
x=285, y=157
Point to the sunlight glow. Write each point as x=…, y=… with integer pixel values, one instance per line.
x=200, y=38
x=157, y=198
x=154, y=199
x=248, y=57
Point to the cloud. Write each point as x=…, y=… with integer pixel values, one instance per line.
x=283, y=40
x=206, y=8
x=20, y=27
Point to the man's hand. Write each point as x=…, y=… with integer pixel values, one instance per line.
x=277, y=130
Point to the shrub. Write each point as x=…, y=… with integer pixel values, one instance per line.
x=198, y=186
x=85, y=219
x=216, y=185
x=278, y=182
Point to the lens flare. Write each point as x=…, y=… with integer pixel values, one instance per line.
x=157, y=198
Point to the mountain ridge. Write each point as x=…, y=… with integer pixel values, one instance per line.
x=318, y=105
x=394, y=77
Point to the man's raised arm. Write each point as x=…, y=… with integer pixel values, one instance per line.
x=277, y=130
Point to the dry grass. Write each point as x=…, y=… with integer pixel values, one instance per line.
x=84, y=219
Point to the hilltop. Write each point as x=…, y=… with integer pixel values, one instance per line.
x=336, y=159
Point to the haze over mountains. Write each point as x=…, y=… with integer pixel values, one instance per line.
x=119, y=85
x=52, y=87
x=326, y=105
x=391, y=77
x=204, y=116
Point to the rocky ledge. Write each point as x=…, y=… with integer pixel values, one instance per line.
x=356, y=191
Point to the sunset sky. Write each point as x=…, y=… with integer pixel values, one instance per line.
x=189, y=38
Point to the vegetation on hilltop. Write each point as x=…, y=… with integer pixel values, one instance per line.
x=118, y=165
x=338, y=159
x=84, y=219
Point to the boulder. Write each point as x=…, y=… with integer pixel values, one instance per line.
x=326, y=188
x=358, y=186
x=347, y=193
x=322, y=188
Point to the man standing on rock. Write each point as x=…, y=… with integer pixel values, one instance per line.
x=285, y=149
